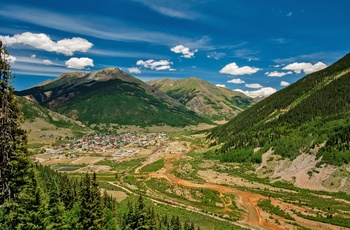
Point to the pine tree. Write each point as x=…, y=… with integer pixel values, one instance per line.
x=13, y=153
x=20, y=195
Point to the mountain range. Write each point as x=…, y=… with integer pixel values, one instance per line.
x=110, y=96
x=204, y=98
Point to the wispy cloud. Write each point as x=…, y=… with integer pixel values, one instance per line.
x=37, y=69
x=175, y=9
x=126, y=54
x=38, y=61
x=95, y=26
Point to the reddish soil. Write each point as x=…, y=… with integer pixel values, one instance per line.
x=249, y=200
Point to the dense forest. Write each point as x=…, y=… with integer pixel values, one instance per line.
x=36, y=197
x=313, y=111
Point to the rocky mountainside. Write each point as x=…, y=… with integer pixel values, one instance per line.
x=204, y=98
x=110, y=96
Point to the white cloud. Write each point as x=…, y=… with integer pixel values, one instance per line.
x=185, y=51
x=284, y=83
x=254, y=86
x=47, y=62
x=307, y=67
x=79, y=63
x=156, y=65
x=236, y=81
x=278, y=74
x=9, y=58
x=134, y=70
x=221, y=85
x=263, y=92
x=233, y=69
x=42, y=41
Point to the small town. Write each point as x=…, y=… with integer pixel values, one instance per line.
x=107, y=143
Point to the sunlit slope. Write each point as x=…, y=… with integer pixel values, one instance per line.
x=313, y=111
x=205, y=98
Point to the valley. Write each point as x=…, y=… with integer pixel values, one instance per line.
x=171, y=170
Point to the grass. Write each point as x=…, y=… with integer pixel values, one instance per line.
x=121, y=166
x=200, y=220
x=268, y=207
x=153, y=167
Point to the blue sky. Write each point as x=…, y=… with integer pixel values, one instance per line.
x=254, y=46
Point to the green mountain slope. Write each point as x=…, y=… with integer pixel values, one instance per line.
x=45, y=126
x=204, y=98
x=314, y=111
x=110, y=96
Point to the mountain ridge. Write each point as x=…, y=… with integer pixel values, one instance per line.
x=110, y=96
x=203, y=97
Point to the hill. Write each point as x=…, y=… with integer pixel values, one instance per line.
x=204, y=98
x=45, y=126
x=310, y=116
x=110, y=96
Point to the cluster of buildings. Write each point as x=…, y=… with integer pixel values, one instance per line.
x=107, y=143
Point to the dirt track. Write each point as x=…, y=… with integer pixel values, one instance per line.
x=248, y=201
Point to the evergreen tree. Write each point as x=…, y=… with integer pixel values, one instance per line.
x=20, y=196
x=14, y=162
x=91, y=208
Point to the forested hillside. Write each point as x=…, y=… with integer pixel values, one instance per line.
x=110, y=96
x=314, y=111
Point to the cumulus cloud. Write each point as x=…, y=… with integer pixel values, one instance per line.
x=42, y=41
x=277, y=74
x=134, y=70
x=254, y=86
x=47, y=62
x=79, y=63
x=156, y=65
x=236, y=81
x=307, y=67
x=221, y=85
x=284, y=83
x=8, y=58
x=234, y=69
x=185, y=51
x=11, y=59
x=263, y=92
